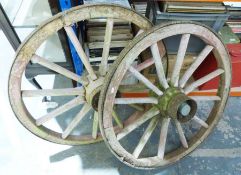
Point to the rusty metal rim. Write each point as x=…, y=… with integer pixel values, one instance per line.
x=36, y=38
x=121, y=65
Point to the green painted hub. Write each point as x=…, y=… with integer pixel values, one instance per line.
x=164, y=100
x=175, y=104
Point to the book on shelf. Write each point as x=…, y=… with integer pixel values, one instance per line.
x=192, y=7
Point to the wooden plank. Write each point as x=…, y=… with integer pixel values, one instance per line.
x=113, y=44
x=98, y=32
x=117, y=37
x=98, y=59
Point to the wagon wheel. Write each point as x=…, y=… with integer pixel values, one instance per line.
x=91, y=80
x=151, y=141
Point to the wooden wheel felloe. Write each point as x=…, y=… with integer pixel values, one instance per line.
x=91, y=80
x=165, y=132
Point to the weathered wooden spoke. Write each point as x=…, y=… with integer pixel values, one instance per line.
x=200, y=121
x=117, y=119
x=145, y=81
x=53, y=92
x=164, y=100
x=137, y=107
x=145, y=137
x=159, y=66
x=91, y=79
x=163, y=137
x=147, y=63
x=195, y=65
x=144, y=64
x=203, y=80
x=58, y=69
x=85, y=109
x=136, y=100
x=106, y=48
x=67, y=106
x=95, y=125
x=71, y=34
x=181, y=134
x=146, y=116
x=179, y=60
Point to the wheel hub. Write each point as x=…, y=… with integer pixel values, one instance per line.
x=175, y=104
x=93, y=92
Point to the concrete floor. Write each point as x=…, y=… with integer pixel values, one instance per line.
x=23, y=153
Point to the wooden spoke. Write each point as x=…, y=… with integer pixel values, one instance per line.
x=179, y=60
x=71, y=34
x=142, y=66
x=163, y=137
x=117, y=119
x=95, y=125
x=146, y=116
x=136, y=100
x=206, y=98
x=200, y=121
x=203, y=80
x=159, y=68
x=181, y=134
x=58, y=69
x=106, y=47
x=139, y=32
x=144, y=80
x=67, y=106
x=145, y=137
x=53, y=92
x=195, y=65
x=137, y=107
x=85, y=109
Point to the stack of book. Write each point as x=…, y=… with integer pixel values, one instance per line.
x=140, y=7
x=192, y=7
x=95, y=32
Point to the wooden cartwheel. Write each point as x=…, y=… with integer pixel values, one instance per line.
x=165, y=132
x=169, y=111
x=91, y=80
